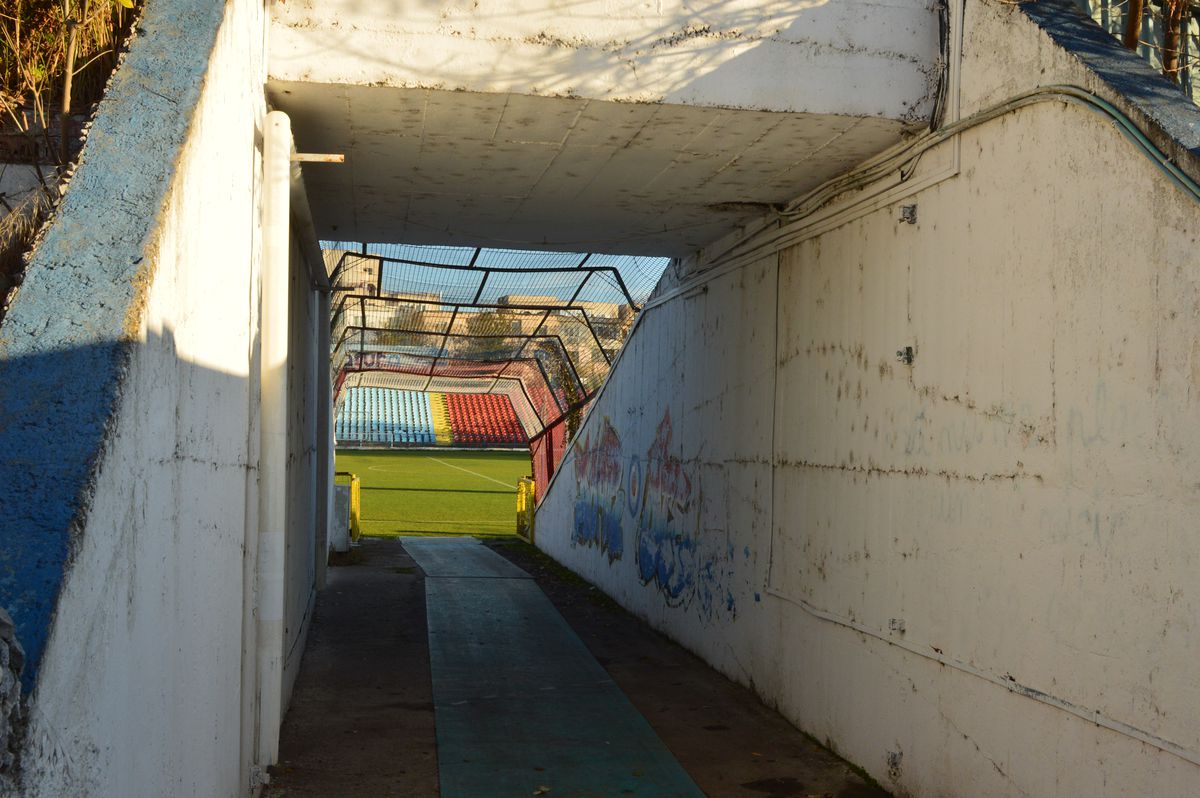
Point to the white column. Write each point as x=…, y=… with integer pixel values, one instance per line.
x=277, y=151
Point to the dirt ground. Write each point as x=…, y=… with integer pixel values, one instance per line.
x=361, y=718
x=361, y=721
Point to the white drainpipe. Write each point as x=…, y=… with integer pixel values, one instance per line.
x=272, y=490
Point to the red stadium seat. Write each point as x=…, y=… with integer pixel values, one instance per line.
x=484, y=420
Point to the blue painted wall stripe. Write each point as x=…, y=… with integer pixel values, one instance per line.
x=65, y=341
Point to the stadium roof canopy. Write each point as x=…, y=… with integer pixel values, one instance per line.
x=540, y=327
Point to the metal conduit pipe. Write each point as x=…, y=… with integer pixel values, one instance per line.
x=875, y=170
x=1077, y=95
x=897, y=159
x=272, y=470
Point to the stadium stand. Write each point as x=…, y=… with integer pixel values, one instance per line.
x=484, y=420
x=390, y=417
x=441, y=419
x=385, y=416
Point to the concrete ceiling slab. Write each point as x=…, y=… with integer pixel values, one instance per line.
x=429, y=166
x=611, y=124
x=607, y=125
x=852, y=57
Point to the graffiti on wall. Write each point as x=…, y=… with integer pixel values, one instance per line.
x=666, y=547
x=657, y=496
x=598, y=505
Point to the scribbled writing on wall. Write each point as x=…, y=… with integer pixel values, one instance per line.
x=658, y=496
x=598, y=505
x=666, y=547
x=687, y=566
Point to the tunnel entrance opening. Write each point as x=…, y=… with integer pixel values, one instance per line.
x=457, y=371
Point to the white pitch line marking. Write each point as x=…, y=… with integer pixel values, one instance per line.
x=469, y=471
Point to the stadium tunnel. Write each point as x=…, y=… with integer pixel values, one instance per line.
x=900, y=438
x=538, y=328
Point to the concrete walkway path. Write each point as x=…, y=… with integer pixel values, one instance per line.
x=630, y=713
x=522, y=707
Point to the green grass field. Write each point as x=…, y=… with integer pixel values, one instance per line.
x=436, y=492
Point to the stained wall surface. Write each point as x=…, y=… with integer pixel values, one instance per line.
x=147, y=684
x=555, y=124
x=971, y=574
x=865, y=58
x=305, y=379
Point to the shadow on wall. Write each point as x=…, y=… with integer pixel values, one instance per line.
x=1129, y=75
x=708, y=51
x=175, y=452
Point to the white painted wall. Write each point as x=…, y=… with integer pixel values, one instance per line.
x=148, y=684
x=862, y=58
x=301, y=518
x=898, y=556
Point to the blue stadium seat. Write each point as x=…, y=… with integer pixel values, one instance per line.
x=385, y=416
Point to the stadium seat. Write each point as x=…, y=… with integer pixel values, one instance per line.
x=384, y=416
x=484, y=420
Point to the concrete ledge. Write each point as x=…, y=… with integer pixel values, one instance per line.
x=1158, y=106
x=66, y=338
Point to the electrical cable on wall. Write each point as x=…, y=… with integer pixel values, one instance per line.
x=902, y=160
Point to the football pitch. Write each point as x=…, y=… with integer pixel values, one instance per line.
x=437, y=492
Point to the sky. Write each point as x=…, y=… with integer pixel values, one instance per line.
x=640, y=274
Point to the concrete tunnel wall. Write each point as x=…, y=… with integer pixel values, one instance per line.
x=971, y=575
x=305, y=378
x=131, y=395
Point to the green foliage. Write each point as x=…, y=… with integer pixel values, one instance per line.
x=566, y=378
x=55, y=56
x=34, y=40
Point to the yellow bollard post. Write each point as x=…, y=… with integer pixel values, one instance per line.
x=525, y=507
x=355, y=508
x=355, y=503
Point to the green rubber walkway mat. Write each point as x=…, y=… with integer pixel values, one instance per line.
x=442, y=557
x=522, y=707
